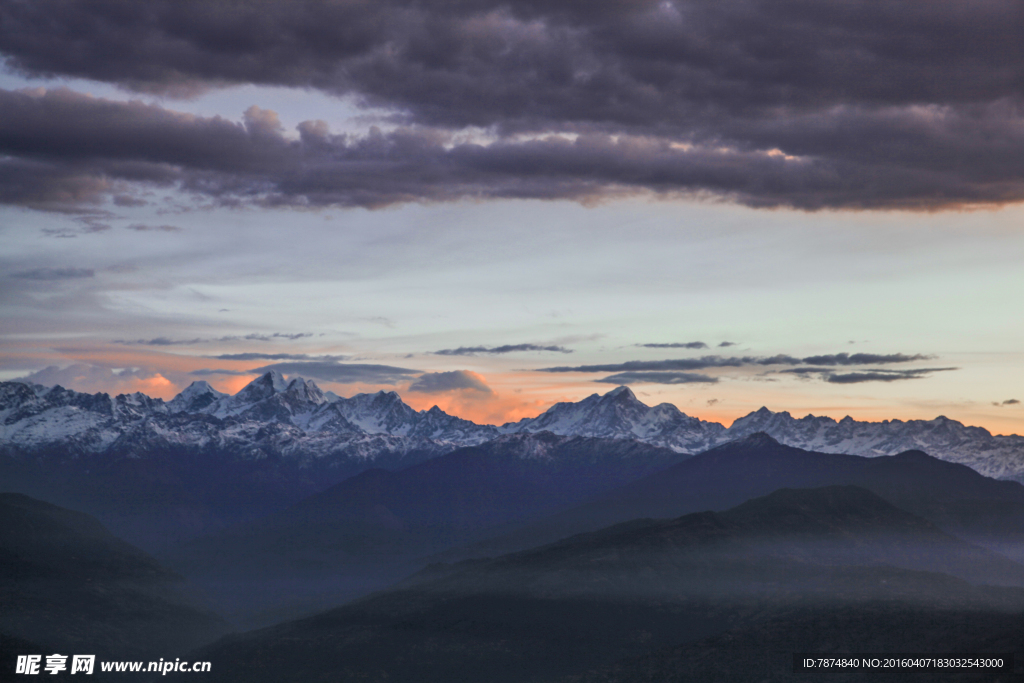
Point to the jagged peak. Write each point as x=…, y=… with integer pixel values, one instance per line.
x=264, y=386
x=271, y=378
x=622, y=392
x=297, y=381
x=198, y=388
x=306, y=389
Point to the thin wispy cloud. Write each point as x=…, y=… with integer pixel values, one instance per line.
x=873, y=375
x=342, y=373
x=658, y=378
x=679, y=370
x=206, y=372
x=54, y=274
x=677, y=345
x=456, y=380
x=143, y=227
x=498, y=350
x=881, y=375
x=167, y=341
x=161, y=341
x=865, y=358
x=279, y=356
x=706, y=362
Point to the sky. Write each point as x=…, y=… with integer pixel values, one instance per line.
x=495, y=206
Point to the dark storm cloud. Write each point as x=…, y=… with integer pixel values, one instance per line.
x=104, y=146
x=682, y=345
x=343, y=373
x=508, y=348
x=438, y=382
x=1007, y=402
x=859, y=104
x=50, y=274
x=658, y=378
x=482, y=62
x=726, y=343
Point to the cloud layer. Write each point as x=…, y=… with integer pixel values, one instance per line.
x=677, y=371
x=497, y=350
x=456, y=380
x=658, y=378
x=859, y=104
x=872, y=375
x=342, y=373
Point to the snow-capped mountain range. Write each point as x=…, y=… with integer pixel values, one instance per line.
x=273, y=416
x=620, y=415
x=268, y=417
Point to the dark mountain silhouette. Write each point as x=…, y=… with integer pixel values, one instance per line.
x=176, y=493
x=638, y=588
x=376, y=527
x=66, y=583
x=954, y=497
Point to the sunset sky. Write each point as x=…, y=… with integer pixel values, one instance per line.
x=494, y=206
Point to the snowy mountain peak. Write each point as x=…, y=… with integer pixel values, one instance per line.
x=305, y=390
x=199, y=388
x=620, y=415
x=621, y=393
x=194, y=398
x=262, y=387
x=303, y=418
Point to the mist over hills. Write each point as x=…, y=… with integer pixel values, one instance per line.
x=67, y=584
x=377, y=526
x=524, y=490
x=584, y=538
x=954, y=497
x=638, y=588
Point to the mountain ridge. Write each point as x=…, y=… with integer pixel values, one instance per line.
x=314, y=423
x=584, y=602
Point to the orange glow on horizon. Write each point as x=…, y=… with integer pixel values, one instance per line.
x=482, y=408
x=514, y=395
